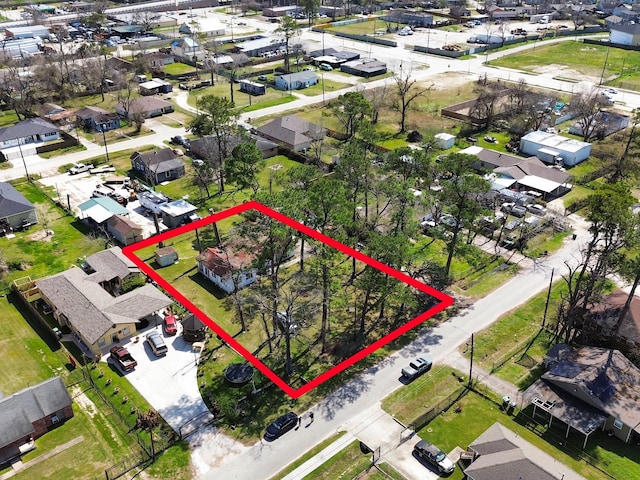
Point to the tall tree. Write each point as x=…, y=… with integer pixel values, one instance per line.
x=462, y=189
x=233, y=70
x=217, y=119
x=243, y=166
x=627, y=165
x=585, y=106
x=351, y=109
x=288, y=29
x=310, y=9
x=608, y=211
x=407, y=92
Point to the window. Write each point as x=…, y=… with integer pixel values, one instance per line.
x=618, y=424
x=126, y=331
x=54, y=419
x=101, y=342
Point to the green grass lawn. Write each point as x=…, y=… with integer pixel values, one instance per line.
x=348, y=463
x=517, y=334
x=178, y=68
x=308, y=455
x=241, y=100
x=408, y=402
x=317, y=89
x=7, y=118
x=585, y=59
x=33, y=253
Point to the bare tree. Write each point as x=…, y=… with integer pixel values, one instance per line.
x=407, y=91
x=585, y=106
x=233, y=70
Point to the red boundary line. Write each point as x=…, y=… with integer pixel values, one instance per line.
x=445, y=300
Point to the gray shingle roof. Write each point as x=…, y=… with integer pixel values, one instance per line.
x=18, y=411
x=504, y=455
x=12, y=202
x=26, y=128
x=90, y=308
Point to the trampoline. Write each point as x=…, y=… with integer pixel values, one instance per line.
x=238, y=373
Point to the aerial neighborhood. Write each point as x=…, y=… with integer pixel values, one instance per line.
x=319, y=240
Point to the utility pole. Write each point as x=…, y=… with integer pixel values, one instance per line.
x=546, y=305
x=471, y=366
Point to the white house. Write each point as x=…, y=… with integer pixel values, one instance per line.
x=229, y=268
x=628, y=34
x=550, y=148
x=187, y=48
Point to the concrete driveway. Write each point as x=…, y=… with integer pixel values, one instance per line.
x=168, y=383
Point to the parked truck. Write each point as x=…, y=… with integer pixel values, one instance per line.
x=122, y=356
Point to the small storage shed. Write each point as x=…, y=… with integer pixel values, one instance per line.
x=193, y=330
x=445, y=140
x=166, y=256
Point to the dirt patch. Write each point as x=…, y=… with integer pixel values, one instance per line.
x=41, y=236
x=562, y=71
x=85, y=403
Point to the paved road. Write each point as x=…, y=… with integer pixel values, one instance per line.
x=354, y=405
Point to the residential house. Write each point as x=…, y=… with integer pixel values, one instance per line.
x=207, y=146
x=30, y=413
x=90, y=302
x=601, y=124
x=158, y=166
x=96, y=119
x=606, y=6
x=500, y=453
x=521, y=174
x=625, y=34
x=588, y=388
x=97, y=211
x=148, y=106
x=292, y=132
x=296, y=81
x=31, y=130
x=188, y=49
x=625, y=12
x=552, y=148
x=55, y=114
x=207, y=27
x=157, y=60
x=155, y=86
x=229, y=267
x=364, y=67
x=15, y=210
x=602, y=325
x=124, y=230
x=414, y=18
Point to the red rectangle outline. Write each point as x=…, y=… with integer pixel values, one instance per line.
x=445, y=300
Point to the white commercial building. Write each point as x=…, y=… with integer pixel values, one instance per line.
x=552, y=148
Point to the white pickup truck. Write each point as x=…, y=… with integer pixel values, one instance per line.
x=80, y=168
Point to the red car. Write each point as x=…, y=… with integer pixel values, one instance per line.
x=170, y=326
